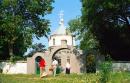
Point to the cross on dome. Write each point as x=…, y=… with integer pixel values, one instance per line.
x=61, y=18
x=61, y=14
x=61, y=29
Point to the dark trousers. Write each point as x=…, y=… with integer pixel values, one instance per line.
x=67, y=70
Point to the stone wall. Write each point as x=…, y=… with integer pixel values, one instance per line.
x=121, y=66
x=117, y=66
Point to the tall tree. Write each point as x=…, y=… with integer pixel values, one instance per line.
x=23, y=19
x=109, y=21
x=87, y=39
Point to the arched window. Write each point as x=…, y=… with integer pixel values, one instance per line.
x=54, y=41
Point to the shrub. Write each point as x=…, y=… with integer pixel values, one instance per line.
x=1, y=70
x=105, y=70
x=91, y=66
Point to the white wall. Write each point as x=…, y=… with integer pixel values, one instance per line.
x=58, y=39
x=17, y=68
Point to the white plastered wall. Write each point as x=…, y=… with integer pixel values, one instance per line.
x=17, y=68
x=58, y=39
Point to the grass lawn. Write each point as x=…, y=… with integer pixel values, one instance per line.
x=72, y=78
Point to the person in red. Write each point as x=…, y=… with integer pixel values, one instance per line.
x=42, y=66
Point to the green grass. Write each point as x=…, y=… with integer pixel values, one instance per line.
x=72, y=78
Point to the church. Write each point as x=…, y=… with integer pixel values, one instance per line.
x=62, y=47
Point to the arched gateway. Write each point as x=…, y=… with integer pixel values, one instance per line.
x=61, y=46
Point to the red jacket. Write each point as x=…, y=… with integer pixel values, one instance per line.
x=42, y=63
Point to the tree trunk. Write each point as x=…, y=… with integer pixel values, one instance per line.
x=10, y=50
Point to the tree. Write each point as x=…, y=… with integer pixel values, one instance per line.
x=38, y=47
x=109, y=21
x=87, y=40
x=23, y=19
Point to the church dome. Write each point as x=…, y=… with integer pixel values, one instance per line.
x=61, y=36
x=61, y=29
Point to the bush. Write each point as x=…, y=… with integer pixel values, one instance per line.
x=91, y=64
x=1, y=70
x=15, y=58
x=105, y=70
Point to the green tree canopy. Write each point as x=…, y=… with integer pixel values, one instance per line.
x=87, y=39
x=109, y=21
x=20, y=20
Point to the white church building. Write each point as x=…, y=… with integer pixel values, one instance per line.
x=61, y=46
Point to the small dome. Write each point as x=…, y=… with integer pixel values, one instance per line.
x=60, y=31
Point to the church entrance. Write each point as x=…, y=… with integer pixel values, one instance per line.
x=37, y=68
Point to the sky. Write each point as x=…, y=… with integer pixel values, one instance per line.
x=70, y=8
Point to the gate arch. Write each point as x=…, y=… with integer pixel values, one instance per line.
x=57, y=51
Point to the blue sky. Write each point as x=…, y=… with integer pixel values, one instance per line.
x=71, y=8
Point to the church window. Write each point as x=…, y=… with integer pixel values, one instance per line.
x=53, y=41
x=68, y=59
x=64, y=42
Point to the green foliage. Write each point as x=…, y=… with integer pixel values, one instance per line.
x=75, y=26
x=91, y=64
x=12, y=59
x=87, y=40
x=15, y=58
x=38, y=47
x=105, y=70
x=108, y=21
x=22, y=19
